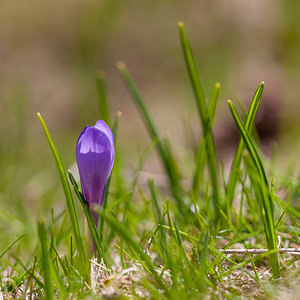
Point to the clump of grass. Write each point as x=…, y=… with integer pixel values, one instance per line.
x=157, y=245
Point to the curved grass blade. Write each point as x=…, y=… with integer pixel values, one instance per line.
x=248, y=142
x=68, y=194
x=204, y=116
x=139, y=252
x=201, y=154
x=234, y=173
x=246, y=262
x=10, y=245
x=261, y=187
x=166, y=157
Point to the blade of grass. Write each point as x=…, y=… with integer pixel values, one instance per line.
x=59, y=283
x=136, y=247
x=234, y=173
x=245, y=262
x=68, y=194
x=11, y=245
x=253, y=266
x=205, y=118
x=48, y=264
x=287, y=208
x=171, y=170
x=164, y=249
x=203, y=264
x=201, y=154
x=48, y=285
x=154, y=200
x=262, y=190
x=52, y=239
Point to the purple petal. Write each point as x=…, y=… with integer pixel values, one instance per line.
x=95, y=156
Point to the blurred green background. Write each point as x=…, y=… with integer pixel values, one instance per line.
x=50, y=52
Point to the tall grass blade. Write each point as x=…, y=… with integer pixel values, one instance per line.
x=203, y=264
x=234, y=173
x=48, y=285
x=68, y=194
x=261, y=187
x=201, y=154
x=171, y=170
x=204, y=116
x=162, y=239
x=248, y=142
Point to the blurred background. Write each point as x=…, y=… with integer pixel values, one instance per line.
x=50, y=52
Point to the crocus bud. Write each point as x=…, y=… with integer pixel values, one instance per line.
x=95, y=155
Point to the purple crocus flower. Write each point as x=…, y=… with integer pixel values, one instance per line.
x=95, y=153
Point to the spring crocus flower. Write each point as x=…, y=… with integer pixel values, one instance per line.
x=95, y=155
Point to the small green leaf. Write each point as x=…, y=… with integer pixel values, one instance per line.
x=68, y=194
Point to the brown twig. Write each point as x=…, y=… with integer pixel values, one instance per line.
x=291, y=251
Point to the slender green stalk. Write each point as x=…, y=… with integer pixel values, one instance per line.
x=203, y=264
x=166, y=157
x=139, y=252
x=234, y=173
x=155, y=202
x=68, y=194
x=59, y=282
x=48, y=284
x=260, y=184
x=204, y=116
x=248, y=142
x=201, y=154
x=11, y=245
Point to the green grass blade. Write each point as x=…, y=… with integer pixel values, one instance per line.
x=233, y=177
x=52, y=238
x=68, y=194
x=203, y=264
x=171, y=170
x=11, y=245
x=90, y=220
x=126, y=235
x=246, y=262
x=261, y=187
x=201, y=153
x=59, y=283
x=155, y=202
x=204, y=116
x=248, y=142
x=212, y=105
x=162, y=239
x=48, y=284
